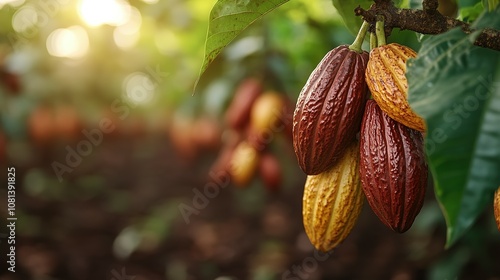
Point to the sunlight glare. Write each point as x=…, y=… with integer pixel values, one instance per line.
x=71, y=42
x=127, y=35
x=111, y=12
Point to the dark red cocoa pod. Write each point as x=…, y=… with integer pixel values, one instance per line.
x=393, y=168
x=10, y=81
x=238, y=113
x=270, y=172
x=329, y=109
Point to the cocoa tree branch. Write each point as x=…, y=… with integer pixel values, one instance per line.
x=430, y=6
x=427, y=21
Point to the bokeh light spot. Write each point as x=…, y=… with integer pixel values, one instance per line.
x=127, y=35
x=112, y=12
x=139, y=88
x=24, y=19
x=71, y=42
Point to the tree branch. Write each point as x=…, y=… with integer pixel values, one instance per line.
x=430, y=6
x=427, y=21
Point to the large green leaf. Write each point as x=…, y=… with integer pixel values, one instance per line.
x=455, y=87
x=228, y=19
x=346, y=11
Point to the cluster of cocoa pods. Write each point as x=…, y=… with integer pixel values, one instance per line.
x=352, y=147
x=254, y=117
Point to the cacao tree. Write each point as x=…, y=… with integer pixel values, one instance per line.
x=452, y=89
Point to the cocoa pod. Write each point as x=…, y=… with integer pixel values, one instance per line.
x=265, y=116
x=244, y=163
x=41, y=125
x=270, y=172
x=496, y=207
x=332, y=201
x=385, y=76
x=393, y=168
x=238, y=112
x=329, y=109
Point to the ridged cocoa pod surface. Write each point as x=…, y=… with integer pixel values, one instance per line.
x=496, y=207
x=393, y=168
x=329, y=109
x=332, y=201
x=385, y=76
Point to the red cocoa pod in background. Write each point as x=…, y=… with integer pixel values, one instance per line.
x=393, y=168
x=10, y=81
x=329, y=109
x=496, y=207
x=270, y=172
x=41, y=125
x=238, y=112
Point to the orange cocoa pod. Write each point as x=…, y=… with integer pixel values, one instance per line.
x=385, y=76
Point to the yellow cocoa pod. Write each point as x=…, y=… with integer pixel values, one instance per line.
x=496, y=207
x=385, y=76
x=266, y=112
x=243, y=164
x=332, y=201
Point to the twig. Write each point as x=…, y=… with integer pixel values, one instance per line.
x=427, y=21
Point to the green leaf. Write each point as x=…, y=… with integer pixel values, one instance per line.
x=228, y=19
x=491, y=4
x=455, y=87
x=471, y=13
x=346, y=11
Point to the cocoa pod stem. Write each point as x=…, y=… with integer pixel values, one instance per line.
x=379, y=30
x=358, y=42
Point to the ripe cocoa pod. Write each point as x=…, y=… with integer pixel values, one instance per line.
x=266, y=113
x=332, y=201
x=496, y=207
x=329, y=109
x=243, y=165
x=270, y=172
x=393, y=168
x=385, y=76
x=238, y=112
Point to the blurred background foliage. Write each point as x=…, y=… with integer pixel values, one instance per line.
x=65, y=66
